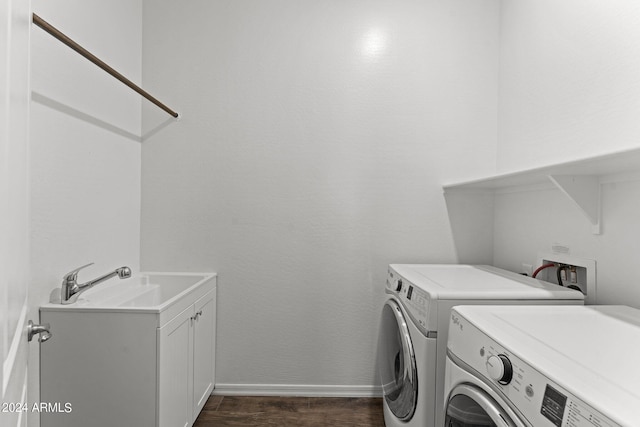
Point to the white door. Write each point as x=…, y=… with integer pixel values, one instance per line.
x=15, y=21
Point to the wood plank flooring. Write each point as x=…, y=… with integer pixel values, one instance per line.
x=223, y=411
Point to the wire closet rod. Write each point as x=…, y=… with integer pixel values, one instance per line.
x=91, y=57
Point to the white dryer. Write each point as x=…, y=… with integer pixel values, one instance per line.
x=414, y=323
x=543, y=367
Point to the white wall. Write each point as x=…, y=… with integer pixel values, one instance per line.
x=569, y=84
x=314, y=140
x=530, y=222
x=85, y=147
x=569, y=88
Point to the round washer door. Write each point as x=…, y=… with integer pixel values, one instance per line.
x=469, y=406
x=397, y=363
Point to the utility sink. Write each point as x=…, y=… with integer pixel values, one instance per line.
x=148, y=291
x=148, y=341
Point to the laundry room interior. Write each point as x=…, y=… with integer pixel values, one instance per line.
x=317, y=143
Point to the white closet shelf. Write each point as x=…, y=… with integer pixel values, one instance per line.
x=580, y=180
x=601, y=165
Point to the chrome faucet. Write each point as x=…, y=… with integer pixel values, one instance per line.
x=71, y=289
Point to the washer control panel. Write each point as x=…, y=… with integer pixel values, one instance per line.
x=564, y=410
x=537, y=398
x=414, y=299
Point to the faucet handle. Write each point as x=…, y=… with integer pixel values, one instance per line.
x=72, y=275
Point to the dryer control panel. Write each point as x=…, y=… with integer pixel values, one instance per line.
x=413, y=299
x=532, y=395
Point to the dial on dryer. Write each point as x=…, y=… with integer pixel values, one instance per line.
x=499, y=368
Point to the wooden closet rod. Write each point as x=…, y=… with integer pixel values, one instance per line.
x=91, y=57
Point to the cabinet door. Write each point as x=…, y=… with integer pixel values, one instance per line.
x=204, y=351
x=175, y=371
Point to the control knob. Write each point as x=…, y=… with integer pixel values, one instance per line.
x=500, y=369
x=399, y=286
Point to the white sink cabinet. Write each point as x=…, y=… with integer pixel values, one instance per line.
x=185, y=371
x=131, y=354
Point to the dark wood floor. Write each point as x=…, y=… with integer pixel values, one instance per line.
x=222, y=411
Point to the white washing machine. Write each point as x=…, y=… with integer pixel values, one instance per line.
x=543, y=367
x=413, y=329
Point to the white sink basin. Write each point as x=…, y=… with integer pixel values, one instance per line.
x=147, y=291
x=148, y=342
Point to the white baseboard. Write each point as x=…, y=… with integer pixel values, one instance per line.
x=297, y=390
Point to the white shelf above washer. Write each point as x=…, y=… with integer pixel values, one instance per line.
x=580, y=180
x=602, y=165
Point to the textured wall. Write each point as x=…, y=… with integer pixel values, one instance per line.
x=569, y=88
x=569, y=84
x=530, y=222
x=314, y=140
x=85, y=149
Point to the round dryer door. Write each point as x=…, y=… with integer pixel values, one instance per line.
x=469, y=406
x=397, y=363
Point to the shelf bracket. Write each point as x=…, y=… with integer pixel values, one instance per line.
x=584, y=191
